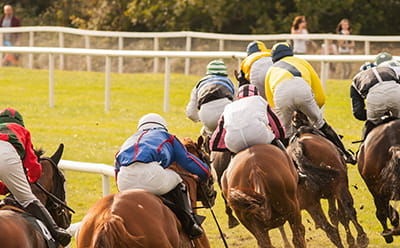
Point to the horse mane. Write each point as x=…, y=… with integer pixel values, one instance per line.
x=319, y=175
x=39, y=152
x=391, y=173
x=109, y=234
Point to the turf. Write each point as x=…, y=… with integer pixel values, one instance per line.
x=91, y=134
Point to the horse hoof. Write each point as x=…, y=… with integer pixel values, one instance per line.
x=387, y=235
x=232, y=223
x=363, y=241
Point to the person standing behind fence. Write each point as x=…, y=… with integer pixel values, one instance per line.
x=345, y=46
x=9, y=20
x=299, y=26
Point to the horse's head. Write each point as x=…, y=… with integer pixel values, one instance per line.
x=53, y=181
x=205, y=192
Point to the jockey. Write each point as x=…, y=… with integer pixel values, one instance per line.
x=210, y=96
x=386, y=59
x=248, y=121
x=142, y=160
x=292, y=84
x=375, y=92
x=16, y=157
x=255, y=66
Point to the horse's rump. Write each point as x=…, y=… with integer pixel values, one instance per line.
x=131, y=218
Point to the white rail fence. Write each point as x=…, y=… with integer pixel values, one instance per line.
x=108, y=54
x=121, y=40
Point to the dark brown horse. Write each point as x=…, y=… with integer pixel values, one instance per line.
x=24, y=234
x=379, y=166
x=327, y=179
x=260, y=185
x=137, y=218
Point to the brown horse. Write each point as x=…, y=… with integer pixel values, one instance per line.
x=379, y=166
x=15, y=230
x=327, y=179
x=137, y=218
x=260, y=185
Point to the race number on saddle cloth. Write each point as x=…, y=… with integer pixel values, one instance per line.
x=142, y=160
x=246, y=122
x=255, y=66
x=210, y=96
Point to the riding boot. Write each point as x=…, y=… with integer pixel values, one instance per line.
x=368, y=126
x=332, y=136
x=37, y=209
x=184, y=212
x=300, y=174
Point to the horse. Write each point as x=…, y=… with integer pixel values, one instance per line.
x=327, y=179
x=15, y=230
x=260, y=185
x=378, y=164
x=137, y=218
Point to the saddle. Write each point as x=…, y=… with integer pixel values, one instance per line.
x=9, y=203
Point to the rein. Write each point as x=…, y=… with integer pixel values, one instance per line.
x=50, y=195
x=211, y=210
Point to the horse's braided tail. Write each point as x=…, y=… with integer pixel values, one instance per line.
x=112, y=233
x=391, y=174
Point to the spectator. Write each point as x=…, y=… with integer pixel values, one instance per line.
x=10, y=39
x=331, y=48
x=345, y=46
x=299, y=26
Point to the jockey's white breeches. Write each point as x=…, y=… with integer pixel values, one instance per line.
x=296, y=94
x=147, y=176
x=381, y=98
x=13, y=176
x=210, y=112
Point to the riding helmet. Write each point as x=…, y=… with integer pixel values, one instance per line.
x=281, y=50
x=247, y=90
x=255, y=46
x=217, y=67
x=8, y=115
x=382, y=57
x=150, y=121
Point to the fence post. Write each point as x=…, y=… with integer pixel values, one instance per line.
x=107, y=86
x=120, y=58
x=88, y=58
x=166, y=84
x=187, y=60
x=61, y=44
x=51, y=80
x=30, y=56
x=156, y=61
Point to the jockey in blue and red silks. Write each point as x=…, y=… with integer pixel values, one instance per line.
x=142, y=160
x=17, y=155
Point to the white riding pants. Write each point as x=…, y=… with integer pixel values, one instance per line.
x=381, y=98
x=296, y=94
x=13, y=176
x=210, y=112
x=147, y=176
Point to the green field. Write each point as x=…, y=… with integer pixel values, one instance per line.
x=92, y=135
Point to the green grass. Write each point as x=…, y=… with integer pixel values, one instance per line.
x=92, y=135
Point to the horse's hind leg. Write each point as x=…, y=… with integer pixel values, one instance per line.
x=284, y=237
x=394, y=216
x=382, y=213
x=321, y=222
x=232, y=221
x=347, y=213
x=333, y=212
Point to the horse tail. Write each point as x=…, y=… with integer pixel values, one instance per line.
x=319, y=175
x=250, y=200
x=112, y=233
x=390, y=175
